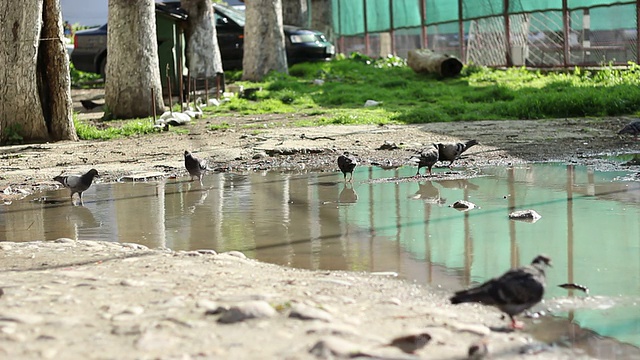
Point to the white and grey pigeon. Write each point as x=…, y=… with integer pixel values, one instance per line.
x=632, y=128
x=452, y=151
x=427, y=157
x=514, y=292
x=346, y=163
x=194, y=166
x=77, y=183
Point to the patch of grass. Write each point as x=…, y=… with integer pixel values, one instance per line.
x=113, y=130
x=479, y=93
x=220, y=126
x=81, y=79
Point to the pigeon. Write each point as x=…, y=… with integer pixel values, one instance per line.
x=77, y=183
x=632, y=128
x=195, y=166
x=514, y=292
x=452, y=151
x=427, y=157
x=347, y=163
x=89, y=105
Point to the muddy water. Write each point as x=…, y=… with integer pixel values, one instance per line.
x=590, y=227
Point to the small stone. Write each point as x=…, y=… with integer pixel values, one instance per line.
x=478, y=349
x=22, y=318
x=132, y=283
x=411, y=343
x=206, y=304
x=305, y=312
x=64, y=241
x=332, y=346
x=247, y=310
x=237, y=254
x=207, y=252
x=134, y=246
x=463, y=205
x=525, y=215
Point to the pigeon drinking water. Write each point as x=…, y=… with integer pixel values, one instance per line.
x=632, y=128
x=77, y=183
x=452, y=151
x=194, y=166
x=347, y=163
x=427, y=157
x=514, y=292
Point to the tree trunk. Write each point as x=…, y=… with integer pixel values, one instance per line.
x=53, y=71
x=21, y=115
x=295, y=12
x=203, y=54
x=321, y=18
x=264, y=48
x=133, y=72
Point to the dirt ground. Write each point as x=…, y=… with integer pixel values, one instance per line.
x=87, y=300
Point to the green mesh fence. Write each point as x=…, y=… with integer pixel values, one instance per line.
x=598, y=30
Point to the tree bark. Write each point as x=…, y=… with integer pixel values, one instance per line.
x=264, y=44
x=321, y=18
x=133, y=72
x=53, y=70
x=203, y=53
x=21, y=115
x=295, y=12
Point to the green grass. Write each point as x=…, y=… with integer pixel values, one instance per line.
x=81, y=79
x=115, y=129
x=220, y=126
x=477, y=94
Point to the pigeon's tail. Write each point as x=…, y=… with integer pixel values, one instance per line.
x=469, y=144
x=477, y=295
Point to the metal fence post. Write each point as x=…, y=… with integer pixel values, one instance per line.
x=507, y=32
x=423, y=23
x=461, y=28
x=566, y=29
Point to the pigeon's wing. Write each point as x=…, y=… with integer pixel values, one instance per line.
x=520, y=286
x=73, y=182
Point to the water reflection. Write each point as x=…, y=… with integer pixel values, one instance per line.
x=589, y=226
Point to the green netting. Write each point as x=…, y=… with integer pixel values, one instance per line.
x=349, y=15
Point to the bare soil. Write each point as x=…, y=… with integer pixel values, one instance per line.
x=85, y=300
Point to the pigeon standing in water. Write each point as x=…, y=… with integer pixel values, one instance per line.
x=347, y=163
x=195, y=166
x=77, y=183
x=514, y=292
x=451, y=151
x=632, y=128
x=427, y=157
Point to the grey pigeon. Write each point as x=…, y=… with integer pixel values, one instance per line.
x=514, y=292
x=451, y=151
x=632, y=128
x=427, y=157
x=195, y=166
x=347, y=163
x=77, y=183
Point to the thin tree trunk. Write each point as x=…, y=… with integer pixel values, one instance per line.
x=203, y=54
x=21, y=114
x=321, y=18
x=264, y=46
x=295, y=12
x=132, y=62
x=53, y=66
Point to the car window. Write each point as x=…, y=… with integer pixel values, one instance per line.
x=233, y=14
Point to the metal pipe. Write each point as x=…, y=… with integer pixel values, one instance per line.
x=461, y=29
x=391, y=32
x=366, y=31
x=566, y=29
x=423, y=24
x=507, y=33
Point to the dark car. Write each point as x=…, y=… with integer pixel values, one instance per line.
x=90, y=51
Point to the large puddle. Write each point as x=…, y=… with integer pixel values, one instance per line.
x=590, y=227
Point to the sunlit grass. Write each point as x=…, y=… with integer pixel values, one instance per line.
x=115, y=129
x=335, y=93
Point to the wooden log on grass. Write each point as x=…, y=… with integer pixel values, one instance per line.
x=426, y=60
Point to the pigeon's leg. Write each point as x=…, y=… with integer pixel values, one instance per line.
x=80, y=196
x=200, y=178
x=351, y=177
x=516, y=324
x=430, y=171
x=417, y=173
x=345, y=176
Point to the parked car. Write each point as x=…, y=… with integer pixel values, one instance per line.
x=90, y=52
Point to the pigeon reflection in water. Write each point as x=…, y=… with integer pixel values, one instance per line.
x=429, y=193
x=347, y=195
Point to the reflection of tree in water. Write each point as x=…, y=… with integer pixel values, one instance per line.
x=458, y=184
x=348, y=195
